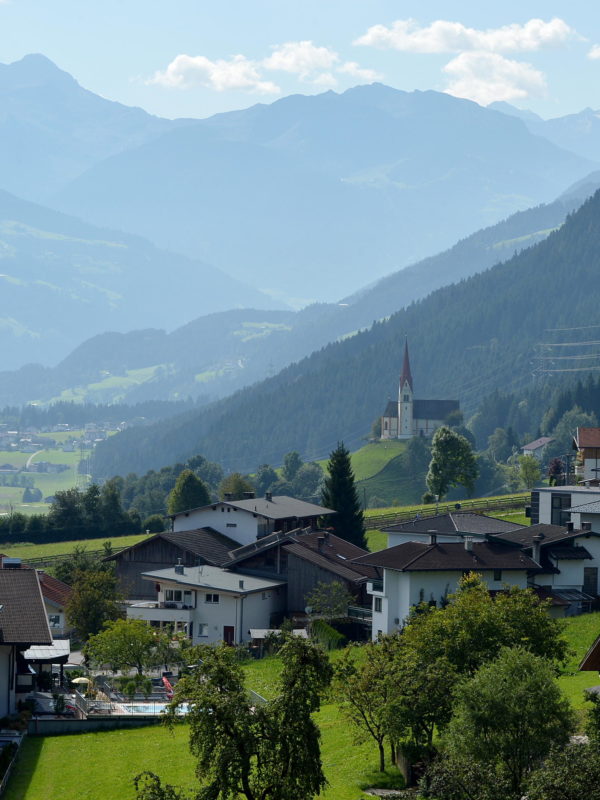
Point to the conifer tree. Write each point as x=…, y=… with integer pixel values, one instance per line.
x=339, y=493
x=189, y=492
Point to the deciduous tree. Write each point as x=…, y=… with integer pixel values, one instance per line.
x=189, y=492
x=127, y=644
x=529, y=468
x=330, y=600
x=93, y=602
x=452, y=463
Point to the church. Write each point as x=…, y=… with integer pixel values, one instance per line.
x=408, y=417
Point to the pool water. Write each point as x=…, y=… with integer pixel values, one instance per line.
x=151, y=708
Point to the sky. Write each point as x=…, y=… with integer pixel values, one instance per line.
x=195, y=58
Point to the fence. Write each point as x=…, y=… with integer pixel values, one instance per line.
x=480, y=506
x=7, y=739
x=47, y=561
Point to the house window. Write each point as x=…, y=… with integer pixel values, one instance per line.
x=560, y=502
x=266, y=595
x=202, y=629
x=377, y=604
x=54, y=620
x=173, y=595
x=497, y=574
x=406, y=399
x=231, y=525
x=212, y=598
x=188, y=598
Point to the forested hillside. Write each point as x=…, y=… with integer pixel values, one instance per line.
x=466, y=340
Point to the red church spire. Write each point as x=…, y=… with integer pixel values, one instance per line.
x=406, y=375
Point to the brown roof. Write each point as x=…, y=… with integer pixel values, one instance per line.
x=418, y=556
x=23, y=619
x=591, y=660
x=537, y=443
x=53, y=590
x=207, y=543
x=587, y=437
x=330, y=552
x=454, y=522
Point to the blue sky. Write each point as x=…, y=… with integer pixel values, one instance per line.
x=195, y=58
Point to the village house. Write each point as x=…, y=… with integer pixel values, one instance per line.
x=537, y=448
x=249, y=519
x=23, y=623
x=587, y=444
x=557, y=505
x=450, y=527
x=415, y=572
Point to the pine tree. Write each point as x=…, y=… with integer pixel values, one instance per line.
x=339, y=493
x=189, y=492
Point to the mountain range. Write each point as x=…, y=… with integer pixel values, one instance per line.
x=467, y=340
x=222, y=352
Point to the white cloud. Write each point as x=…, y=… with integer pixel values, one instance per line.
x=325, y=80
x=302, y=58
x=443, y=36
x=356, y=71
x=594, y=52
x=485, y=77
x=238, y=72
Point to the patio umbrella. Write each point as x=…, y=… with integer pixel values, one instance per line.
x=81, y=680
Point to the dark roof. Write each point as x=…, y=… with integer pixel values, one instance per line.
x=568, y=553
x=391, y=410
x=591, y=660
x=418, y=556
x=331, y=553
x=550, y=533
x=23, y=619
x=278, y=507
x=537, y=443
x=211, y=545
x=434, y=409
x=541, y=592
x=587, y=437
x=454, y=522
x=53, y=590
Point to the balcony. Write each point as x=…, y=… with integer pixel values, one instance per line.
x=160, y=612
x=375, y=586
x=360, y=614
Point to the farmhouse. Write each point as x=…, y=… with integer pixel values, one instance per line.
x=251, y=518
x=537, y=447
x=407, y=417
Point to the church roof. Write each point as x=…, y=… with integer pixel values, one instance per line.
x=434, y=409
x=391, y=410
x=406, y=374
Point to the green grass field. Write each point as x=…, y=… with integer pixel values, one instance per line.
x=375, y=512
x=26, y=550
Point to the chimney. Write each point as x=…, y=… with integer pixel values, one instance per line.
x=320, y=543
x=432, y=537
x=179, y=567
x=536, y=547
x=269, y=497
x=227, y=496
x=570, y=526
x=248, y=495
x=586, y=526
x=469, y=543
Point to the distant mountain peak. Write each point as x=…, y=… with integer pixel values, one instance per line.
x=34, y=69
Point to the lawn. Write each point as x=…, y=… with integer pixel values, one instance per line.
x=372, y=458
x=26, y=550
x=376, y=512
x=100, y=766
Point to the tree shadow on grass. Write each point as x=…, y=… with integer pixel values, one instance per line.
x=24, y=769
x=392, y=778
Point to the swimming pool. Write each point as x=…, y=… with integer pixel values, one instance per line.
x=151, y=708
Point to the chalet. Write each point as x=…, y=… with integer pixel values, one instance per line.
x=537, y=447
x=188, y=547
x=451, y=527
x=211, y=604
x=587, y=444
x=251, y=518
x=23, y=623
x=415, y=572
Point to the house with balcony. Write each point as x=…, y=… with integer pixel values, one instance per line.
x=211, y=604
x=451, y=527
x=587, y=462
x=557, y=505
x=250, y=519
x=415, y=572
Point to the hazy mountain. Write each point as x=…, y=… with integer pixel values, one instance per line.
x=219, y=353
x=309, y=196
x=579, y=133
x=63, y=280
x=51, y=129
x=466, y=340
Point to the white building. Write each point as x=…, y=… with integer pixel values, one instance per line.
x=557, y=505
x=451, y=527
x=416, y=572
x=537, y=447
x=587, y=443
x=250, y=519
x=211, y=604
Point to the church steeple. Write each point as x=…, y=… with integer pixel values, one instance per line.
x=406, y=376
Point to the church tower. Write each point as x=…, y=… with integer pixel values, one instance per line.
x=405, y=399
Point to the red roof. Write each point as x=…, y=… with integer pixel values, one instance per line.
x=54, y=590
x=587, y=437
